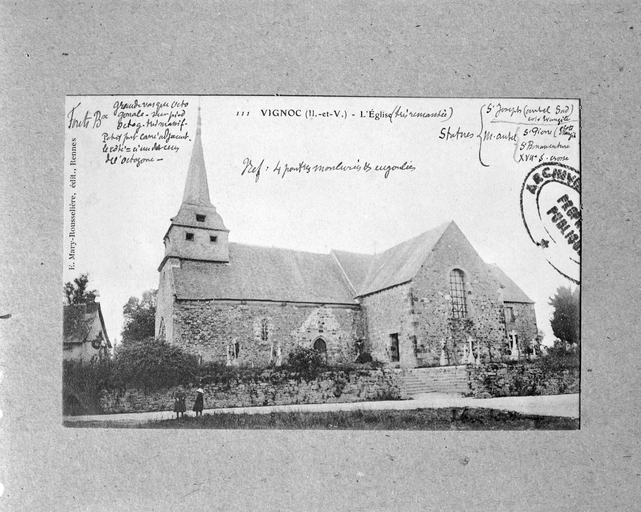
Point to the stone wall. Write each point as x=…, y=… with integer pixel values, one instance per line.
x=389, y=312
x=432, y=303
x=524, y=323
x=330, y=387
x=257, y=334
x=495, y=380
x=165, y=301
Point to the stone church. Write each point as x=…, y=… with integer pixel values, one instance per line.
x=430, y=300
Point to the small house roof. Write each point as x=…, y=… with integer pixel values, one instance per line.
x=78, y=320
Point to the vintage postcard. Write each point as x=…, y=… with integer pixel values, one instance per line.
x=322, y=262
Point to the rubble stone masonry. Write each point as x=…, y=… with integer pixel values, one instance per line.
x=261, y=333
x=387, y=313
x=524, y=323
x=496, y=380
x=432, y=303
x=330, y=387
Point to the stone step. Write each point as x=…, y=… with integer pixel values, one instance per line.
x=435, y=380
x=432, y=382
x=458, y=377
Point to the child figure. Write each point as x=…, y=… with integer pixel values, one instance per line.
x=199, y=403
x=179, y=402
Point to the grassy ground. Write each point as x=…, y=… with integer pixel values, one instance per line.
x=454, y=418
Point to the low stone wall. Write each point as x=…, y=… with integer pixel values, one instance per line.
x=329, y=387
x=439, y=379
x=497, y=379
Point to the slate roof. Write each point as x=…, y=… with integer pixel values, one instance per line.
x=356, y=267
x=509, y=289
x=265, y=273
x=369, y=273
x=196, y=188
x=284, y=275
x=402, y=262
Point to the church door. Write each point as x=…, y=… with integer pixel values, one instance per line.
x=320, y=346
x=394, y=350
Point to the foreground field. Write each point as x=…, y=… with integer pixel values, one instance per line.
x=453, y=418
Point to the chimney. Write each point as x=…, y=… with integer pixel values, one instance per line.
x=90, y=302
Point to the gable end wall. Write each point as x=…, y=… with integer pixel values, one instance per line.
x=433, y=306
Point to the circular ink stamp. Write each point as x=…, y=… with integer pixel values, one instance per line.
x=551, y=210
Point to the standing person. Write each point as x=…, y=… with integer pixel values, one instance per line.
x=199, y=403
x=179, y=402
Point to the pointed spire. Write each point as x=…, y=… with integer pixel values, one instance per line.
x=196, y=188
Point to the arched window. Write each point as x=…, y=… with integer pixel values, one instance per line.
x=457, y=292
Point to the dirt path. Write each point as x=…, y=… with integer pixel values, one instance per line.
x=550, y=405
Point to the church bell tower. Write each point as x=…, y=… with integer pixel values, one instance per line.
x=197, y=232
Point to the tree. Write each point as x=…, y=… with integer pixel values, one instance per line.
x=140, y=317
x=77, y=292
x=565, y=321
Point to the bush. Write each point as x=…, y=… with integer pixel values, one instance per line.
x=364, y=357
x=307, y=362
x=218, y=373
x=524, y=383
x=558, y=359
x=154, y=364
x=81, y=385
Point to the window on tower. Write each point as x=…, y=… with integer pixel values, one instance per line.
x=189, y=236
x=213, y=239
x=200, y=218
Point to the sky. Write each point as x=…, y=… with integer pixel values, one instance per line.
x=441, y=170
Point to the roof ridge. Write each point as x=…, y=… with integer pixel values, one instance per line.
x=352, y=252
x=279, y=248
x=443, y=225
